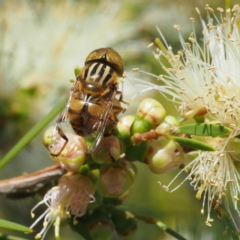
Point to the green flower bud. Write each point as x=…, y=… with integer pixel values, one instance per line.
x=116, y=201
x=125, y=227
x=137, y=152
x=149, y=115
x=74, y=155
x=108, y=150
x=163, y=155
x=47, y=136
x=168, y=121
x=114, y=181
x=130, y=168
x=124, y=125
x=97, y=203
x=100, y=226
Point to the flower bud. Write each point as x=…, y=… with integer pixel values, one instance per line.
x=168, y=121
x=137, y=152
x=47, y=136
x=125, y=227
x=163, y=155
x=100, y=226
x=76, y=192
x=98, y=201
x=108, y=150
x=130, y=168
x=71, y=196
x=149, y=115
x=124, y=125
x=117, y=200
x=114, y=181
x=74, y=154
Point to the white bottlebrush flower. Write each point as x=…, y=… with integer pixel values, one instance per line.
x=71, y=197
x=43, y=42
x=204, y=79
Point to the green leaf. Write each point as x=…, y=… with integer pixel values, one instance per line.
x=203, y=129
x=200, y=119
x=14, y=226
x=231, y=227
x=188, y=142
x=9, y=237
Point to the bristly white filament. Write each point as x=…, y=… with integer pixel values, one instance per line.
x=205, y=78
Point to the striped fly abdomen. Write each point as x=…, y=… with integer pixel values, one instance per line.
x=93, y=96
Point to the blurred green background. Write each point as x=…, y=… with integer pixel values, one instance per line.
x=40, y=44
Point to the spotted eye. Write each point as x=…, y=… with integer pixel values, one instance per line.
x=107, y=56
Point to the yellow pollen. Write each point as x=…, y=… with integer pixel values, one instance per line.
x=157, y=57
x=209, y=220
x=217, y=38
x=208, y=224
x=135, y=69
x=202, y=211
x=212, y=27
x=200, y=190
x=45, y=223
x=210, y=10
x=236, y=198
x=192, y=40
x=150, y=45
x=220, y=9
x=197, y=10
x=38, y=236
x=170, y=70
x=235, y=7
x=176, y=26
x=160, y=77
x=165, y=188
x=187, y=44
x=192, y=19
x=180, y=53
x=32, y=215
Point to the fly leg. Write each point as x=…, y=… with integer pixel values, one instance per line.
x=121, y=99
x=55, y=150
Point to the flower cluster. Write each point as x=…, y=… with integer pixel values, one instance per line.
x=203, y=81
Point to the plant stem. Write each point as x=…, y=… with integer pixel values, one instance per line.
x=155, y=221
x=32, y=133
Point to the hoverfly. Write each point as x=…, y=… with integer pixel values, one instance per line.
x=91, y=110
x=92, y=107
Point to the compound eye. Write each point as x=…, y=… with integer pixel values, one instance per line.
x=107, y=56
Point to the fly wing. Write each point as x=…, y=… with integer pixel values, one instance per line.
x=59, y=138
x=104, y=118
x=30, y=184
